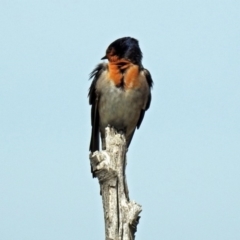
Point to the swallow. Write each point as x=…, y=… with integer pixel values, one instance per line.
x=120, y=91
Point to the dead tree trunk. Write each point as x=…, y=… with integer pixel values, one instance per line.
x=121, y=215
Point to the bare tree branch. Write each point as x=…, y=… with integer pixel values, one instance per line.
x=121, y=215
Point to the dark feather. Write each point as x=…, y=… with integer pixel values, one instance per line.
x=94, y=143
x=130, y=138
x=150, y=84
x=95, y=75
x=93, y=100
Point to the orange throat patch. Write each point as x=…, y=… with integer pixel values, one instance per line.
x=123, y=73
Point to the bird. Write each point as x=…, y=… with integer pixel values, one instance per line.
x=120, y=92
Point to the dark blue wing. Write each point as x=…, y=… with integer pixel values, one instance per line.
x=150, y=84
x=93, y=100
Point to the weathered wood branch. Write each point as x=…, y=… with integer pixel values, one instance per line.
x=121, y=215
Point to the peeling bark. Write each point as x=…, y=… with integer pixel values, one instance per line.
x=121, y=215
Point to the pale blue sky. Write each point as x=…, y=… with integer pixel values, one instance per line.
x=183, y=163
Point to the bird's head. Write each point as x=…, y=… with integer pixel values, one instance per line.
x=124, y=48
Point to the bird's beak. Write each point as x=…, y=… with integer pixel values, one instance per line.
x=105, y=57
